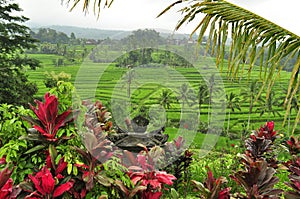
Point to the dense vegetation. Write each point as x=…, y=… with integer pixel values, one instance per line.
x=14, y=39
x=59, y=146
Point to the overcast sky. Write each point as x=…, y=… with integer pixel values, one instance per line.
x=135, y=14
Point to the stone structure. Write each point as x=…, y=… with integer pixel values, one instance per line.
x=136, y=133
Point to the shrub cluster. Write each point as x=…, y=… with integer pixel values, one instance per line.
x=50, y=156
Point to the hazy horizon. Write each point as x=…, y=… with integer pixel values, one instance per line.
x=132, y=14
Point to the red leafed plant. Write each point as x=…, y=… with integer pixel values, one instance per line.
x=45, y=185
x=144, y=174
x=212, y=187
x=97, y=117
x=294, y=177
x=267, y=131
x=7, y=190
x=258, y=176
x=3, y=160
x=49, y=121
x=98, y=148
x=78, y=189
x=179, y=160
x=293, y=166
x=257, y=179
x=294, y=145
x=260, y=144
x=50, y=181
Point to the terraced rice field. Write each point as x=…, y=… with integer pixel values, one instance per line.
x=101, y=81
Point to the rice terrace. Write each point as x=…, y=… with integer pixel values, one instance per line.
x=98, y=113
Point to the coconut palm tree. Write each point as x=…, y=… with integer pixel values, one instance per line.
x=233, y=102
x=267, y=105
x=129, y=78
x=249, y=95
x=254, y=39
x=166, y=98
x=203, y=95
x=186, y=95
x=213, y=91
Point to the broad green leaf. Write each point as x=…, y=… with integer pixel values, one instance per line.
x=34, y=149
x=69, y=168
x=53, y=154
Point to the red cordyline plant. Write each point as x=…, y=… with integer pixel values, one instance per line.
x=293, y=166
x=179, y=160
x=144, y=174
x=7, y=190
x=98, y=148
x=294, y=145
x=45, y=186
x=48, y=120
x=50, y=181
x=294, y=177
x=97, y=117
x=257, y=178
x=267, y=131
x=3, y=160
x=260, y=144
x=78, y=190
x=212, y=187
x=91, y=168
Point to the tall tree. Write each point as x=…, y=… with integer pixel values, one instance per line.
x=142, y=39
x=186, y=95
x=267, y=105
x=14, y=39
x=129, y=78
x=166, y=98
x=213, y=89
x=203, y=96
x=249, y=95
x=233, y=102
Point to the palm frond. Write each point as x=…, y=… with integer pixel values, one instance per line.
x=254, y=41
x=86, y=4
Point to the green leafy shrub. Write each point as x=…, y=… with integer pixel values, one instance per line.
x=52, y=79
x=12, y=126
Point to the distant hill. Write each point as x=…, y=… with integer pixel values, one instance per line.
x=93, y=33
x=87, y=33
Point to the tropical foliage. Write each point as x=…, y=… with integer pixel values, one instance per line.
x=14, y=39
x=94, y=167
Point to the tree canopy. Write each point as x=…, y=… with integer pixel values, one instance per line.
x=14, y=39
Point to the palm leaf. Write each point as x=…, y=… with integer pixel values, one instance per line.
x=86, y=4
x=254, y=39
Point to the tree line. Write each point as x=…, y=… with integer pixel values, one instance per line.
x=52, y=36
